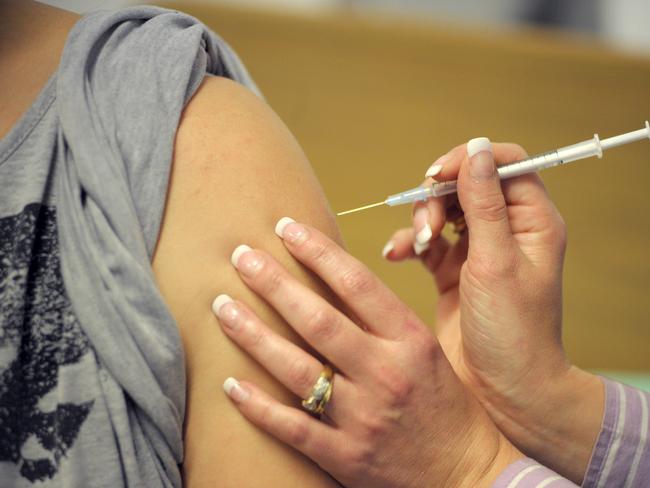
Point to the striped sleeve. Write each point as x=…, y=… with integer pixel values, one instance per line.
x=621, y=456
x=528, y=473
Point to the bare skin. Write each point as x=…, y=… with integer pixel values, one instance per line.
x=32, y=36
x=219, y=156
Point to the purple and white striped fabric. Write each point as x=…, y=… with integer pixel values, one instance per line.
x=528, y=473
x=621, y=456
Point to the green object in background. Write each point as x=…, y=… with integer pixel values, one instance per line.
x=637, y=380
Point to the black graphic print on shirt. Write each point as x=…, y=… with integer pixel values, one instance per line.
x=39, y=334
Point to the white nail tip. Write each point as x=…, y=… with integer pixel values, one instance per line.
x=282, y=223
x=420, y=248
x=390, y=245
x=241, y=249
x=234, y=390
x=424, y=235
x=477, y=145
x=433, y=171
x=230, y=384
x=219, y=302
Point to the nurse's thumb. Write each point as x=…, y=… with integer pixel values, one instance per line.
x=482, y=200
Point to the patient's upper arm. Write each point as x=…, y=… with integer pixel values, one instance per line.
x=236, y=171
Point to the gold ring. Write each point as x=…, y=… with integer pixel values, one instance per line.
x=321, y=392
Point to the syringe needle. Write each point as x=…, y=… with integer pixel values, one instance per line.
x=361, y=208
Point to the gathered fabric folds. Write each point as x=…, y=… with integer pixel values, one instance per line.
x=123, y=81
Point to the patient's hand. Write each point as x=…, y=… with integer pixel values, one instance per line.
x=398, y=415
x=500, y=306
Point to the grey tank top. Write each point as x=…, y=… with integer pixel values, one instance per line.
x=92, y=383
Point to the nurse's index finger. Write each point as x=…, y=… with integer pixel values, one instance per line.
x=380, y=310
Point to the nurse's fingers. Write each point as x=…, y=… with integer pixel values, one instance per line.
x=324, y=327
x=481, y=197
x=446, y=166
x=400, y=246
x=324, y=444
x=446, y=266
x=428, y=221
x=369, y=299
x=296, y=369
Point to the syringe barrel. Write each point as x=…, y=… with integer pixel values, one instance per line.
x=521, y=167
x=530, y=164
x=534, y=163
x=443, y=188
x=420, y=193
x=581, y=150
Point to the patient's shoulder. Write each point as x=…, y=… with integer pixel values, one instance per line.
x=229, y=134
x=237, y=170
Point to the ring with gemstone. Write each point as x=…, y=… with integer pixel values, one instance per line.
x=321, y=392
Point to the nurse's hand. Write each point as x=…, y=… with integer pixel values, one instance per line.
x=499, y=312
x=398, y=415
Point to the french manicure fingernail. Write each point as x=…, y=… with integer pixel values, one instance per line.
x=421, y=224
x=249, y=262
x=295, y=233
x=228, y=313
x=433, y=170
x=437, y=165
x=219, y=302
x=282, y=223
x=481, y=166
x=477, y=145
x=424, y=235
x=390, y=245
x=234, y=390
x=420, y=248
x=236, y=254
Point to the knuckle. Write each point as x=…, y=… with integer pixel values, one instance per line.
x=323, y=324
x=373, y=429
x=497, y=268
x=411, y=325
x=429, y=348
x=395, y=386
x=519, y=151
x=321, y=251
x=490, y=207
x=272, y=282
x=359, y=457
x=265, y=416
x=357, y=281
x=256, y=337
x=297, y=432
x=300, y=375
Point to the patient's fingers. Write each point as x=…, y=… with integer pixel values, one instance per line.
x=289, y=364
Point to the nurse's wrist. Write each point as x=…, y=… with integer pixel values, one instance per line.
x=488, y=453
x=560, y=428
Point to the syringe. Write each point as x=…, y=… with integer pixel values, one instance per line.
x=557, y=157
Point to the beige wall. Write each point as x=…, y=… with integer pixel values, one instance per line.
x=374, y=103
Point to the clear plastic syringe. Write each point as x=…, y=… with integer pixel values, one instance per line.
x=563, y=155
